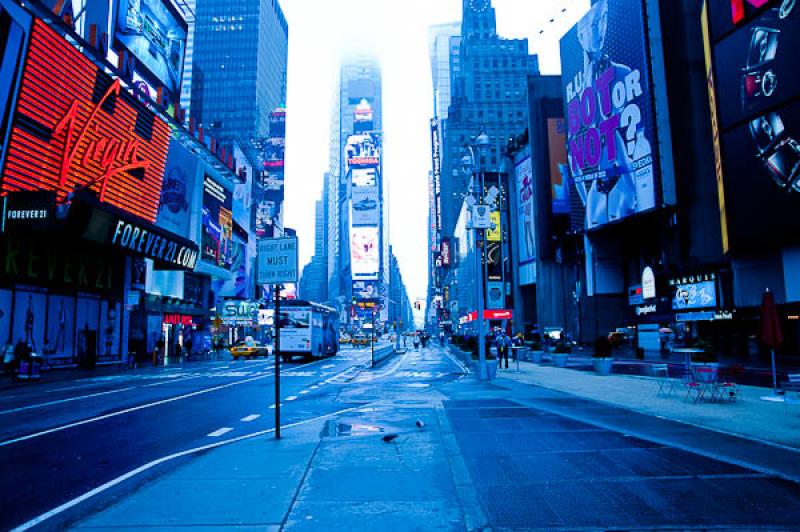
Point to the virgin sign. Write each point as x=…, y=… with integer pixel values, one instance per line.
x=75, y=127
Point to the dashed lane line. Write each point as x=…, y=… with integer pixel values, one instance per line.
x=291, y=398
x=219, y=432
x=251, y=417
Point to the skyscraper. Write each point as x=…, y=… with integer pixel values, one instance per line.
x=358, y=91
x=488, y=84
x=238, y=66
x=313, y=284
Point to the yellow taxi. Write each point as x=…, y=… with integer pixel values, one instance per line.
x=249, y=348
x=360, y=339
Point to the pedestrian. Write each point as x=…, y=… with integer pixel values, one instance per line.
x=441, y=338
x=503, y=343
x=416, y=341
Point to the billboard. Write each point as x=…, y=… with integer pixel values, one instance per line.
x=446, y=253
x=217, y=231
x=436, y=156
x=693, y=296
x=84, y=131
x=753, y=91
x=525, y=211
x=362, y=150
x=559, y=171
x=364, y=253
x=365, y=289
x=155, y=33
x=177, y=189
x=611, y=133
x=364, y=177
x=365, y=206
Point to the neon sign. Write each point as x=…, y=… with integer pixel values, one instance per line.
x=75, y=128
x=737, y=8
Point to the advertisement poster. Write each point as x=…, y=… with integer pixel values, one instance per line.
x=155, y=33
x=494, y=295
x=364, y=177
x=362, y=150
x=758, y=114
x=217, y=233
x=29, y=318
x=60, y=326
x=525, y=215
x=695, y=296
x=495, y=232
x=365, y=206
x=364, y=253
x=559, y=171
x=365, y=289
x=609, y=114
x=177, y=190
x=5, y=317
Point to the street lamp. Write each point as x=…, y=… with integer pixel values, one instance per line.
x=468, y=162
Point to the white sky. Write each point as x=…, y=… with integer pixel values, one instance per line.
x=397, y=31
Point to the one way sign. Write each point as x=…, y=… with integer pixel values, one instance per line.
x=277, y=260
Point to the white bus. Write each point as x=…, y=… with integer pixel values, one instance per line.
x=308, y=329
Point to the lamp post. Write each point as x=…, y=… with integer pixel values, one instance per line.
x=479, y=145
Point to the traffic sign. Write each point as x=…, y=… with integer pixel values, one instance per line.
x=277, y=260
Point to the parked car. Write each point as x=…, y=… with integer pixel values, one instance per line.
x=249, y=348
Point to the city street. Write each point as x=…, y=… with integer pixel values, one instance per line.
x=505, y=455
x=60, y=441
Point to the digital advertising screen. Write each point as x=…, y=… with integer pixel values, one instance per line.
x=85, y=131
x=365, y=206
x=754, y=88
x=155, y=33
x=611, y=135
x=364, y=253
x=364, y=177
x=362, y=150
x=695, y=296
x=365, y=289
x=559, y=171
x=217, y=233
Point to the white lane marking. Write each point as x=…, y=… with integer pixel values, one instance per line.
x=140, y=407
x=303, y=392
x=291, y=398
x=59, y=401
x=314, y=387
x=328, y=366
x=122, y=478
x=251, y=417
x=272, y=406
x=219, y=432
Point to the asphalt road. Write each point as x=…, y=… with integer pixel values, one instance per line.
x=59, y=441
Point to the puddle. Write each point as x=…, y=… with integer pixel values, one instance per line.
x=343, y=428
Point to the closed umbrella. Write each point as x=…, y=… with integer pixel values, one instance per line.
x=769, y=330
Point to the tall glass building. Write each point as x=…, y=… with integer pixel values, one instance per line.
x=239, y=58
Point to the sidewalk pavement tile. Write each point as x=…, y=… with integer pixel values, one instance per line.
x=749, y=416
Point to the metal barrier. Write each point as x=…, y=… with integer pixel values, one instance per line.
x=382, y=353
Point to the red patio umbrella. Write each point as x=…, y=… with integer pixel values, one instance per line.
x=769, y=330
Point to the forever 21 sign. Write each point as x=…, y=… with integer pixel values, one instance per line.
x=131, y=236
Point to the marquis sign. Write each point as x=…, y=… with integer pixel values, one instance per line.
x=76, y=128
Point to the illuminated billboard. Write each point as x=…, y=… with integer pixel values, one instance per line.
x=155, y=33
x=691, y=296
x=75, y=127
x=365, y=206
x=365, y=289
x=217, y=233
x=362, y=150
x=754, y=87
x=611, y=134
x=364, y=177
x=559, y=171
x=364, y=253
x=177, y=189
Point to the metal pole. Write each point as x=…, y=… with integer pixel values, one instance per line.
x=277, y=362
x=372, y=339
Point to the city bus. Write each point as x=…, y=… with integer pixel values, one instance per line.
x=308, y=329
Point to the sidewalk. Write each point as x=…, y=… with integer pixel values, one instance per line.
x=331, y=474
x=749, y=416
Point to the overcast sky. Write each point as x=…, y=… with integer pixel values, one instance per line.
x=397, y=31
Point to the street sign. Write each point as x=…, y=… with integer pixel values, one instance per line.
x=277, y=260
